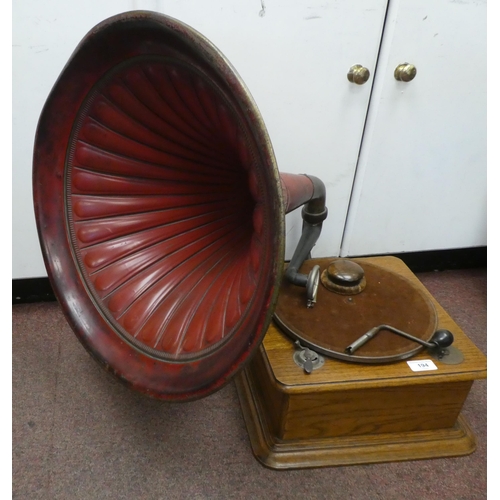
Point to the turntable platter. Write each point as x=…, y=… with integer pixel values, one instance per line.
x=337, y=320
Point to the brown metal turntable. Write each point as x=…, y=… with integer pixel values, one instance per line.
x=339, y=319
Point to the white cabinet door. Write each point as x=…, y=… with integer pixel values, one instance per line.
x=293, y=55
x=421, y=179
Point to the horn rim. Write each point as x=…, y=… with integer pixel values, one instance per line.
x=144, y=373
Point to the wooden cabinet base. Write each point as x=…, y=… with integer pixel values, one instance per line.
x=348, y=413
x=347, y=450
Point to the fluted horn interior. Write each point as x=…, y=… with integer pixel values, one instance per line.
x=163, y=219
x=158, y=206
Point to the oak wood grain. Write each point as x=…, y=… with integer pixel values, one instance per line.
x=274, y=453
x=349, y=413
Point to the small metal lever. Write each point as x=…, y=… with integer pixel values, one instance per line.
x=307, y=358
x=312, y=286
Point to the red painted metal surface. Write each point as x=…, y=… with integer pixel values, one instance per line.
x=159, y=206
x=297, y=190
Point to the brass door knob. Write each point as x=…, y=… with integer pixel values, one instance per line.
x=405, y=72
x=358, y=74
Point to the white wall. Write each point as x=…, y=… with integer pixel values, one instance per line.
x=292, y=54
x=44, y=34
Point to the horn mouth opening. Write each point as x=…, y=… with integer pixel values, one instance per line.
x=163, y=208
x=158, y=206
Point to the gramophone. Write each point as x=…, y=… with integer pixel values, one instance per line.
x=160, y=211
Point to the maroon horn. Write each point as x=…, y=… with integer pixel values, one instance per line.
x=159, y=206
